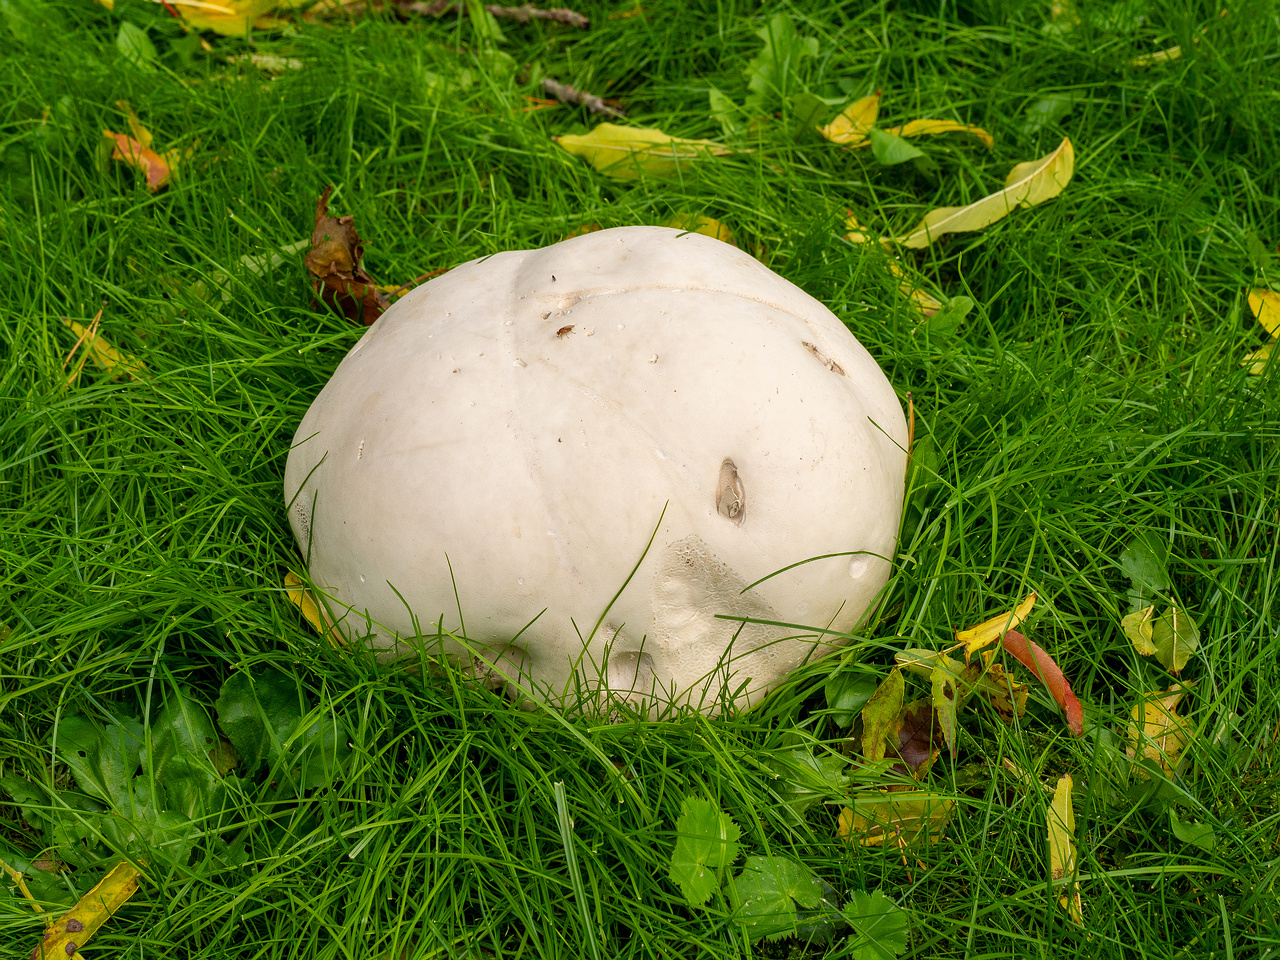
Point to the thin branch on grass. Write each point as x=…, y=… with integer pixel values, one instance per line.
x=521, y=14
x=567, y=94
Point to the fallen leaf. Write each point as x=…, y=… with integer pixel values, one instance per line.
x=1006, y=696
x=231, y=18
x=703, y=225
x=1042, y=666
x=986, y=680
x=908, y=285
x=334, y=264
x=301, y=598
x=945, y=699
x=880, y=717
x=920, y=736
x=852, y=127
x=989, y=631
x=1160, y=56
x=898, y=816
x=1137, y=627
x=1175, y=638
x=918, y=128
x=73, y=930
x=1061, y=822
x=1027, y=185
x=627, y=153
x=1257, y=360
x=146, y=161
x=113, y=362
x=1265, y=306
x=1157, y=731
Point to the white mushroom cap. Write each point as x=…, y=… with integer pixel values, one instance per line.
x=517, y=428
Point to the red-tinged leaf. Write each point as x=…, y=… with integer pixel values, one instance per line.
x=334, y=265
x=1042, y=666
x=919, y=737
x=143, y=159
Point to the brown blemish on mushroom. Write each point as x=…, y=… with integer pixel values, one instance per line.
x=731, y=495
x=824, y=359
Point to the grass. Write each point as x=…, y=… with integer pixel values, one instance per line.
x=1094, y=393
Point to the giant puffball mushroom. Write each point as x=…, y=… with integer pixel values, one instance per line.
x=604, y=447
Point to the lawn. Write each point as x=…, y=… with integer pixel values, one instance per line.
x=1085, y=428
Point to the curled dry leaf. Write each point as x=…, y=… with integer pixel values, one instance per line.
x=1027, y=185
x=74, y=929
x=989, y=631
x=895, y=816
x=1265, y=306
x=920, y=735
x=1041, y=664
x=1061, y=821
x=334, y=265
x=1156, y=730
x=627, y=153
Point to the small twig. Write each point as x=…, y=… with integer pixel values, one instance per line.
x=567, y=94
x=523, y=14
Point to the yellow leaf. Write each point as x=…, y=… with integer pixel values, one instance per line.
x=301, y=598
x=1257, y=360
x=1265, y=305
x=1061, y=821
x=895, y=816
x=703, y=225
x=1160, y=56
x=140, y=133
x=111, y=360
x=855, y=231
x=1137, y=626
x=989, y=631
x=625, y=153
x=72, y=931
x=917, y=128
x=851, y=128
x=1028, y=184
x=1156, y=729
x=231, y=18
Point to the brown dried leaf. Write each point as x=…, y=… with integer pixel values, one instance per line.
x=920, y=736
x=334, y=265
